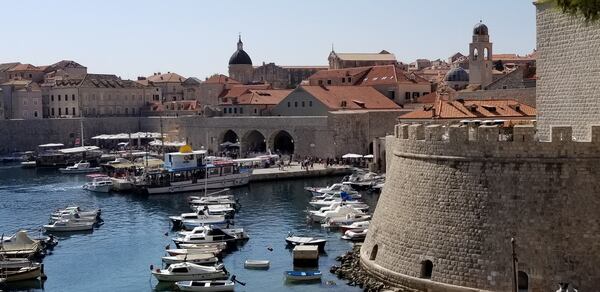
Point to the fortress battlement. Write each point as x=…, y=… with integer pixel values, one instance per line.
x=492, y=141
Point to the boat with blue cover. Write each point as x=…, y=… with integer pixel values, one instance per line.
x=303, y=275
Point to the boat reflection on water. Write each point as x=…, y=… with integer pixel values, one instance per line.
x=26, y=285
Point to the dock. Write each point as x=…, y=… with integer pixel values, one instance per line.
x=295, y=171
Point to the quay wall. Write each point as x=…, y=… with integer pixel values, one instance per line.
x=455, y=196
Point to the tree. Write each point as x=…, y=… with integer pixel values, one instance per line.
x=589, y=9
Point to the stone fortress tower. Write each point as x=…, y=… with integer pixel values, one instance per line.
x=480, y=57
x=455, y=196
x=240, y=64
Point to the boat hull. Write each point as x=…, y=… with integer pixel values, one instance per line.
x=26, y=273
x=166, y=277
x=97, y=189
x=79, y=171
x=212, y=183
x=86, y=227
x=303, y=276
x=222, y=286
x=257, y=264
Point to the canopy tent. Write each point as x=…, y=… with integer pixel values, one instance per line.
x=167, y=144
x=78, y=149
x=352, y=155
x=229, y=144
x=124, y=136
x=370, y=156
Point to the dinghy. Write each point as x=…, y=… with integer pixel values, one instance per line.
x=303, y=276
x=257, y=264
x=305, y=240
x=212, y=286
x=25, y=273
x=188, y=272
x=355, y=235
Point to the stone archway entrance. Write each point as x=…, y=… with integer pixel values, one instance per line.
x=282, y=143
x=230, y=136
x=254, y=142
x=229, y=145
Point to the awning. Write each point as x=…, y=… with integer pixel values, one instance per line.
x=352, y=155
x=368, y=156
x=78, y=149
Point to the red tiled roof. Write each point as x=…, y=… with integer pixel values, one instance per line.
x=350, y=97
x=431, y=98
x=25, y=67
x=220, y=79
x=169, y=77
x=514, y=57
x=238, y=90
x=371, y=75
x=465, y=109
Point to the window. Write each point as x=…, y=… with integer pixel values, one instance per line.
x=302, y=103
x=426, y=269
x=126, y=111
x=343, y=80
x=66, y=111
x=392, y=94
x=310, y=103
x=289, y=104
x=295, y=104
x=235, y=110
x=415, y=94
x=30, y=76
x=504, y=87
x=475, y=54
x=35, y=114
x=349, y=79
x=59, y=97
x=425, y=93
x=523, y=279
x=374, y=252
x=320, y=82
x=73, y=111
x=35, y=101
x=59, y=111
x=256, y=111
x=73, y=97
x=329, y=82
x=52, y=97
x=52, y=111
x=344, y=103
x=407, y=95
x=241, y=110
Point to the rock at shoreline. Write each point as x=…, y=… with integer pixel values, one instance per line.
x=350, y=270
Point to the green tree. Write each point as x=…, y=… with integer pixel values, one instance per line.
x=589, y=9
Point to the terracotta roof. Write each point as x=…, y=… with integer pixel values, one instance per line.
x=169, y=77
x=355, y=73
x=25, y=67
x=238, y=90
x=262, y=97
x=431, y=98
x=466, y=109
x=306, y=67
x=6, y=66
x=371, y=75
x=220, y=79
x=350, y=97
x=513, y=57
x=66, y=64
x=366, y=56
x=108, y=81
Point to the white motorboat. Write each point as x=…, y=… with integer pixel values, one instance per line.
x=100, y=183
x=211, y=234
x=293, y=240
x=191, y=251
x=24, y=273
x=342, y=210
x=201, y=220
x=80, y=167
x=206, y=286
x=188, y=272
x=359, y=225
x=355, y=235
x=227, y=210
x=334, y=188
x=198, y=258
x=219, y=245
x=257, y=264
x=200, y=202
x=81, y=212
x=329, y=200
x=19, y=245
x=197, y=219
x=75, y=217
x=334, y=222
x=68, y=226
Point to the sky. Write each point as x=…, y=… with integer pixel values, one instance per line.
x=196, y=38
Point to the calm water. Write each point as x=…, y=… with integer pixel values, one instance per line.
x=117, y=255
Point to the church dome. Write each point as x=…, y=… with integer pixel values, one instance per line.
x=480, y=29
x=457, y=74
x=240, y=57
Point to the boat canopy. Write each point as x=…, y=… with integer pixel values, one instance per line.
x=78, y=149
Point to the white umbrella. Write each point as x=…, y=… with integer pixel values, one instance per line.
x=352, y=155
x=368, y=156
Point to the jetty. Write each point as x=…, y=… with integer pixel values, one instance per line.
x=296, y=171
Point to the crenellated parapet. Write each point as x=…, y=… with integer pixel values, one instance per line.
x=492, y=141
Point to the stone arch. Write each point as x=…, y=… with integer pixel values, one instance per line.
x=282, y=142
x=254, y=142
x=475, y=54
x=229, y=136
x=523, y=281
x=486, y=54
x=374, y=252
x=426, y=269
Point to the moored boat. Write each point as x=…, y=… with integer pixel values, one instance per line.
x=360, y=225
x=335, y=222
x=21, y=274
x=19, y=245
x=188, y=271
x=79, y=167
x=191, y=251
x=198, y=258
x=323, y=214
x=211, y=234
x=205, y=286
x=100, y=183
x=303, y=275
x=293, y=240
x=257, y=264
x=355, y=235
x=68, y=226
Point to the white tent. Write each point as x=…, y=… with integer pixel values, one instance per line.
x=370, y=156
x=352, y=155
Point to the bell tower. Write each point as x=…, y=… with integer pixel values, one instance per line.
x=480, y=57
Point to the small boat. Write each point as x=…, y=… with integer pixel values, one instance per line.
x=359, y=225
x=196, y=219
x=24, y=273
x=330, y=200
x=78, y=210
x=196, y=202
x=14, y=263
x=345, y=220
x=323, y=214
x=100, y=183
x=19, y=245
x=334, y=188
x=68, y=226
x=211, y=234
x=188, y=272
x=293, y=240
x=80, y=167
x=75, y=217
x=303, y=276
x=213, y=286
x=257, y=264
x=199, y=258
x=355, y=235
x=28, y=164
x=219, y=245
x=363, y=182
x=227, y=210
x=184, y=251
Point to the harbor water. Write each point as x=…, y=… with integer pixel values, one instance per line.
x=117, y=255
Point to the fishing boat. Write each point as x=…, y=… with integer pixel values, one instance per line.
x=21, y=274
x=206, y=286
x=198, y=258
x=19, y=245
x=257, y=264
x=303, y=275
x=355, y=235
x=188, y=170
x=293, y=240
x=360, y=225
x=68, y=226
x=335, y=222
x=100, y=183
x=323, y=214
x=188, y=272
x=79, y=167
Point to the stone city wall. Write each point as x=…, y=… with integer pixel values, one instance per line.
x=455, y=196
x=567, y=69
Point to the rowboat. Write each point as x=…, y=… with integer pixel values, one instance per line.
x=257, y=264
x=199, y=258
x=303, y=276
x=213, y=286
x=25, y=273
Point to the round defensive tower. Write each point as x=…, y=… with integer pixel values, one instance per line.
x=455, y=196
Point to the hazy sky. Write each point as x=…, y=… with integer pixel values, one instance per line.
x=196, y=38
